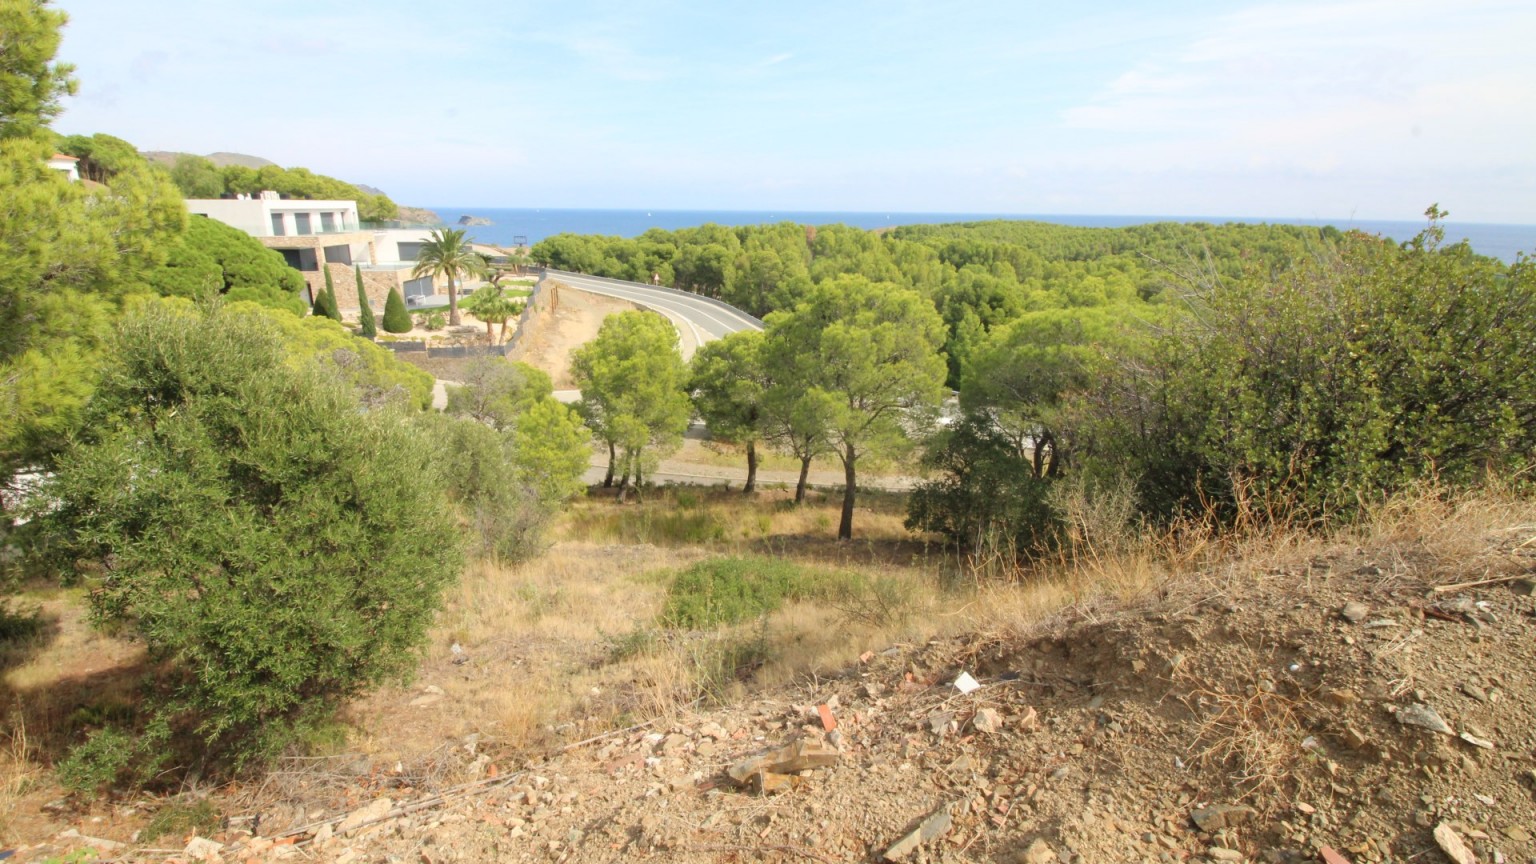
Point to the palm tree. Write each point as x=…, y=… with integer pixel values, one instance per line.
x=493, y=306
x=446, y=252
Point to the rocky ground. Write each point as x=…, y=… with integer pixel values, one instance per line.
x=1360, y=706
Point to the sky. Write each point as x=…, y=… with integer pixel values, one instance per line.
x=1365, y=109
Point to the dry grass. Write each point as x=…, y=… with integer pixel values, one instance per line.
x=19, y=771
x=569, y=645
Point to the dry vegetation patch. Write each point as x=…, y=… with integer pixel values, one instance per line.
x=1135, y=684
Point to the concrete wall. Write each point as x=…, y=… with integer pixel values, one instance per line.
x=248, y=216
x=254, y=215
x=539, y=312
x=398, y=244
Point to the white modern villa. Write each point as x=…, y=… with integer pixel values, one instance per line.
x=313, y=235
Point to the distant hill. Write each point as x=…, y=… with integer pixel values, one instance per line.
x=168, y=157
x=418, y=216
x=414, y=215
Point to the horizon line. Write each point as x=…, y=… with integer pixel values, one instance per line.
x=1325, y=221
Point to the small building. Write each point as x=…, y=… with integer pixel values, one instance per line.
x=315, y=236
x=68, y=164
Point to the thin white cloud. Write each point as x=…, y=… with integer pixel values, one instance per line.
x=1363, y=91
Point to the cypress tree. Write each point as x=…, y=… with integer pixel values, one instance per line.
x=330, y=296
x=317, y=308
x=365, y=312
x=396, y=319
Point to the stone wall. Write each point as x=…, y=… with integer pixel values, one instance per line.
x=538, y=311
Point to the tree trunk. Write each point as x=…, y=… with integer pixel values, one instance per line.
x=504, y=329
x=608, y=478
x=850, y=484
x=624, y=480
x=751, y=469
x=805, y=473
x=1057, y=461
x=453, y=303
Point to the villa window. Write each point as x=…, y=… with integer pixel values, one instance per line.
x=277, y=224
x=301, y=223
x=327, y=221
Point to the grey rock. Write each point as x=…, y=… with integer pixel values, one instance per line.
x=1219, y=816
x=1425, y=717
x=1037, y=852
x=371, y=812
x=936, y=825
x=1452, y=845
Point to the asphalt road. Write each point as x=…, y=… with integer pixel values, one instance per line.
x=697, y=319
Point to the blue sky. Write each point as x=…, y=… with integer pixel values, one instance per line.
x=1370, y=109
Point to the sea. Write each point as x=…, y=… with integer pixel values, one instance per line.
x=530, y=225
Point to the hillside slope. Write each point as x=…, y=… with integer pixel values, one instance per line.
x=1266, y=707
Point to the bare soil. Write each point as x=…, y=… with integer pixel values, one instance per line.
x=1274, y=689
x=572, y=320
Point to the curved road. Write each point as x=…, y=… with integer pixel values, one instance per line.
x=697, y=319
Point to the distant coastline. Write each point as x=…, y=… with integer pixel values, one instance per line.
x=534, y=224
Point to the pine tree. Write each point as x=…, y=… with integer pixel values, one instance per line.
x=396, y=319
x=331, y=311
x=365, y=312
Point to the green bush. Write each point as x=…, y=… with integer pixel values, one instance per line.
x=396, y=319
x=265, y=544
x=434, y=320
x=213, y=255
x=985, y=492
x=1336, y=383
x=509, y=485
x=730, y=590
x=368, y=328
x=178, y=819
x=101, y=761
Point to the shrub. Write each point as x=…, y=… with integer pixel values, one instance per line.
x=985, y=493
x=396, y=319
x=434, y=320
x=730, y=590
x=178, y=819
x=509, y=487
x=1336, y=383
x=212, y=254
x=369, y=328
x=100, y=761
x=265, y=545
